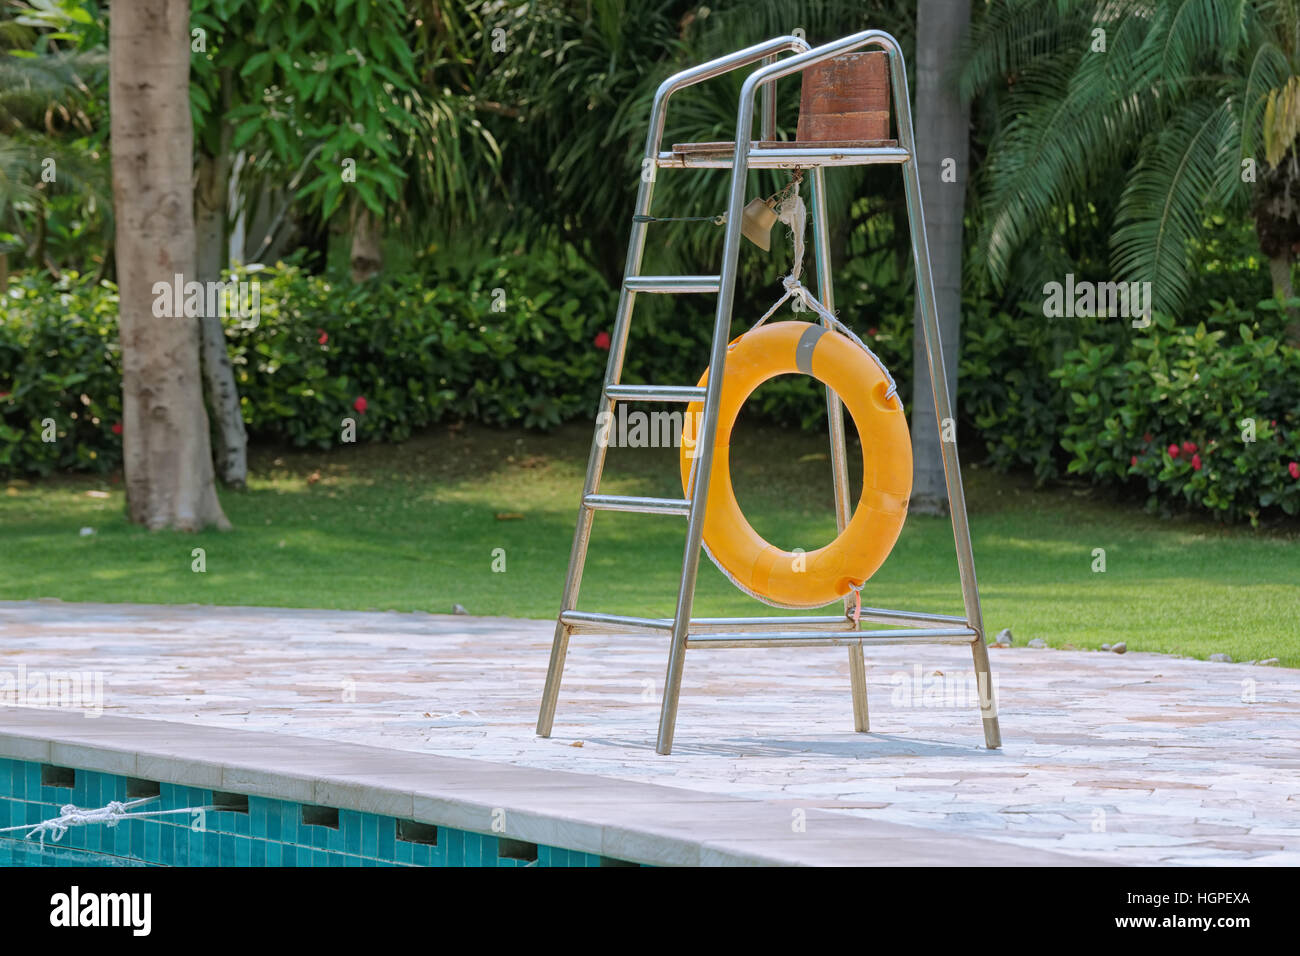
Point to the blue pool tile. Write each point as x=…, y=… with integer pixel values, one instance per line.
x=243, y=851
x=351, y=823
x=275, y=854
x=257, y=817
x=403, y=854
x=369, y=834
x=453, y=842
x=226, y=850
x=152, y=840
x=289, y=813
x=387, y=838
x=32, y=773
x=288, y=854
x=274, y=823
x=112, y=787
x=180, y=851
x=351, y=860
x=257, y=853
x=242, y=825
x=211, y=848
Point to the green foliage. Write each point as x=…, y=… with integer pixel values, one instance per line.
x=1005, y=387
x=421, y=349
x=1170, y=107
x=59, y=362
x=1228, y=400
x=54, y=177
x=306, y=88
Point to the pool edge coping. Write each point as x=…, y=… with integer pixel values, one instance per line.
x=611, y=817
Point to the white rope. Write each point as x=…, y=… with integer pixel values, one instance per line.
x=794, y=214
x=71, y=815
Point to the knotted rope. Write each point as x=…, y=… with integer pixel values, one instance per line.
x=794, y=214
x=71, y=815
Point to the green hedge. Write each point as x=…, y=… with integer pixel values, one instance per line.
x=1209, y=418
x=1087, y=397
x=419, y=350
x=60, y=377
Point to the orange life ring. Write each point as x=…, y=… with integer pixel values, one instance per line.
x=818, y=577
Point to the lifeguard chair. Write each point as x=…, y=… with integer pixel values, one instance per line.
x=844, y=121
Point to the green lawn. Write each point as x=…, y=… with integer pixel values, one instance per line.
x=414, y=527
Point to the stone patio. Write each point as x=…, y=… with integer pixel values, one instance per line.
x=1138, y=758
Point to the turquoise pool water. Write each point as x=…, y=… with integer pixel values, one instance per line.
x=242, y=831
x=31, y=853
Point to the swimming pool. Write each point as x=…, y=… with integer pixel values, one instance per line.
x=225, y=829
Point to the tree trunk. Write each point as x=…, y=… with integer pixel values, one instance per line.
x=166, y=451
x=367, y=257
x=1279, y=270
x=230, y=454
x=942, y=131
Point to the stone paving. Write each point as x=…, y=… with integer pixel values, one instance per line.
x=1139, y=758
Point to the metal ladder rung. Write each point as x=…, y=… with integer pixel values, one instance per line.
x=675, y=284
x=598, y=622
x=648, y=506
x=656, y=393
x=798, y=158
x=920, y=635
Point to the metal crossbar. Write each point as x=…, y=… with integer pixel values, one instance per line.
x=683, y=631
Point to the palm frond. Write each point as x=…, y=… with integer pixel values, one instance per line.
x=1165, y=201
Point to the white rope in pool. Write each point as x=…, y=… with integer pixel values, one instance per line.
x=71, y=815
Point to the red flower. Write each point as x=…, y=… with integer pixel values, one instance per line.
x=1196, y=463
x=1147, y=438
x=601, y=341
x=1173, y=451
x=1133, y=461
x=360, y=404
x=117, y=428
x=324, y=336
x=873, y=332
x=1294, y=468
x=1189, y=447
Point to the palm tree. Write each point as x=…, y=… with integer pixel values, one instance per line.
x=166, y=448
x=1178, y=107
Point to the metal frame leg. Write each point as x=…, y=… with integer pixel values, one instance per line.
x=942, y=401
x=709, y=422
x=835, y=419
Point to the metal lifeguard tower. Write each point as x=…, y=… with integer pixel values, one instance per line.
x=813, y=155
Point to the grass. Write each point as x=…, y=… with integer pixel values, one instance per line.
x=415, y=526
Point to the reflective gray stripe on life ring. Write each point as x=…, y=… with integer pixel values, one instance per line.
x=803, y=352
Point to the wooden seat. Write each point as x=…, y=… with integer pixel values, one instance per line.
x=695, y=149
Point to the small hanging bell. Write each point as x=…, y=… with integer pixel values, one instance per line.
x=756, y=222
